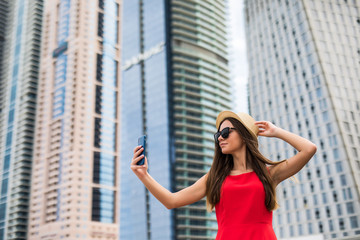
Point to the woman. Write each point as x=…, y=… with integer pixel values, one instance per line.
x=241, y=182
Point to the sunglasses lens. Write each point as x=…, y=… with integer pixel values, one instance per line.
x=225, y=133
x=216, y=136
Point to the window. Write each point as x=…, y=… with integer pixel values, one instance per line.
x=354, y=222
x=315, y=199
x=338, y=166
x=351, y=139
x=328, y=214
x=321, y=227
x=335, y=196
x=355, y=152
x=300, y=229
x=350, y=208
x=343, y=180
x=310, y=228
x=341, y=224
x=317, y=213
x=331, y=225
x=324, y=197
x=319, y=92
x=339, y=210
x=308, y=214
x=349, y=193
x=329, y=128
x=279, y=219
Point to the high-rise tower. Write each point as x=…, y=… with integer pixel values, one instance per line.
x=175, y=80
x=74, y=185
x=304, y=76
x=20, y=35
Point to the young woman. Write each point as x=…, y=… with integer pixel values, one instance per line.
x=241, y=182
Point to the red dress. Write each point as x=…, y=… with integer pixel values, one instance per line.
x=241, y=212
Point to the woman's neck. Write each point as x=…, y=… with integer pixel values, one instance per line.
x=240, y=164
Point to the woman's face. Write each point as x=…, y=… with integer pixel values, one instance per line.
x=233, y=142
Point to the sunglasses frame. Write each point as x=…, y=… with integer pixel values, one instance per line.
x=223, y=133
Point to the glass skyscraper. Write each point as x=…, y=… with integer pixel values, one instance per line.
x=175, y=80
x=20, y=35
x=304, y=76
x=75, y=187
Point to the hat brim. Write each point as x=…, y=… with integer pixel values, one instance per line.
x=229, y=114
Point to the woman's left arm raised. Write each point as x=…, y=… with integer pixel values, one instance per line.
x=294, y=164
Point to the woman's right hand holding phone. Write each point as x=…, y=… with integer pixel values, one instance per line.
x=139, y=170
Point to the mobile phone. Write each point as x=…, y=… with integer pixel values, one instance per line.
x=142, y=142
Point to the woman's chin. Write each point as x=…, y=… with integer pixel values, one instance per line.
x=225, y=151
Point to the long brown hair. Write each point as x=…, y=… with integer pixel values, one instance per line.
x=224, y=163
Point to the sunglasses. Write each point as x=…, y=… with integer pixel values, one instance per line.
x=223, y=133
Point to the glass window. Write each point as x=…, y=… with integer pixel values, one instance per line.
x=339, y=167
x=350, y=208
x=349, y=193
x=355, y=152
x=310, y=228
x=339, y=210
x=324, y=198
x=341, y=224
x=329, y=127
x=308, y=214
x=331, y=225
x=315, y=199
x=288, y=217
x=343, y=180
x=354, y=222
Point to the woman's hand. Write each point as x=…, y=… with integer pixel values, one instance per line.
x=170, y=200
x=266, y=129
x=294, y=164
x=139, y=170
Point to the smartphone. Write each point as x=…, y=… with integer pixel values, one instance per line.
x=142, y=142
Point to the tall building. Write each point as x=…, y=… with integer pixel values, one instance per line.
x=304, y=76
x=74, y=192
x=175, y=80
x=20, y=35
x=4, y=9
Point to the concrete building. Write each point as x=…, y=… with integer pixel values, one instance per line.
x=74, y=192
x=20, y=36
x=304, y=76
x=175, y=80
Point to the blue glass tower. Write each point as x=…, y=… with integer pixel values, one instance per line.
x=19, y=68
x=174, y=82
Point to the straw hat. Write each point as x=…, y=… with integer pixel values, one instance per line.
x=244, y=118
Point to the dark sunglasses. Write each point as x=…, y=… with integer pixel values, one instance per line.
x=223, y=133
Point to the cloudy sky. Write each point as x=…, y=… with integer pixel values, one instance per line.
x=238, y=61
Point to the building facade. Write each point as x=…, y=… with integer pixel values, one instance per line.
x=74, y=192
x=20, y=37
x=304, y=76
x=175, y=80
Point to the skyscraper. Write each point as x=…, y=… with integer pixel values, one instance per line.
x=304, y=76
x=20, y=35
x=175, y=80
x=74, y=190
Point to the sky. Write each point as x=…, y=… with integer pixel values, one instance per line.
x=238, y=61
